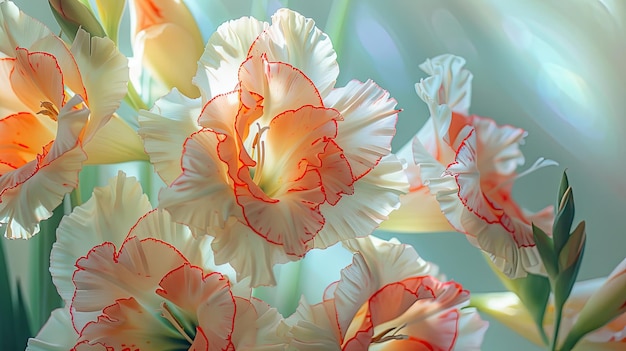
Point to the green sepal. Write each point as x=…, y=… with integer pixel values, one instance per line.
x=573, y=249
x=563, y=220
x=545, y=247
x=76, y=15
x=564, y=282
x=110, y=12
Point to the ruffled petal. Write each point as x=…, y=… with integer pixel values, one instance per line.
x=205, y=176
x=57, y=334
x=164, y=130
x=508, y=239
x=30, y=193
x=282, y=86
x=375, y=196
x=127, y=324
x=313, y=328
x=294, y=39
x=224, y=53
x=471, y=330
x=449, y=83
x=368, y=126
x=249, y=253
x=136, y=270
x=205, y=298
x=105, y=76
x=107, y=216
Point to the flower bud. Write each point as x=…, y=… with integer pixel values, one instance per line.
x=168, y=41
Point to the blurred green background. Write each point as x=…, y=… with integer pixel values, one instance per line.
x=555, y=69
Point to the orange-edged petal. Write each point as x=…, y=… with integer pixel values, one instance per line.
x=224, y=53
x=164, y=130
x=368, y=126
x=136, y=269
x=294, y=39
x=507, y=238
x=375, y=196
x=205, y=298
x=283, y=87
x=202, y=196
x=128, y=324
x=22, y=138
x=37, y=77
x=107, y=216
x=30, y=193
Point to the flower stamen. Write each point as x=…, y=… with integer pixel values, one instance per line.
x=169, y=316
x=383, y=337
x=49, y=110
x=258, y=153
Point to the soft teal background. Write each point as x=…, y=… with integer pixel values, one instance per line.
x=553, y=68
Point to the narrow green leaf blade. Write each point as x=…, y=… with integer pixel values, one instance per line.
x=22, y=327
x=6, y=302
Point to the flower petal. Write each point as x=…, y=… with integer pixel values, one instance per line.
x=224, y=53
x=369, y=123
x=19, y=29
x=250, y=254
x=30, y=193
x=115, y=142
x=56, y=335
x=296, y=40
x=107, y=216
x=449, y=83
x=22, y=136
x=205, y=176
x=205, y=298
x=282, y=86
x=136, y=270
x=164, y=130
x=105, y=75
x=375, y=196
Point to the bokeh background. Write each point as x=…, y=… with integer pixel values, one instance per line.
x=554, y=68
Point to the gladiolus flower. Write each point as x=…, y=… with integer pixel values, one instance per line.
x=160, y=287
x=388, y=299
x=54, y=100
x=465, y=165
x=168, y=41
x=278, y=161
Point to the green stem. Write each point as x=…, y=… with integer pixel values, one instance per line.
x=133, y=99
x=334, y=23
x=558, y=312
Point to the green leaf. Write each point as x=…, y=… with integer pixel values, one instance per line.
x=43, y=297
x=563, y=221
x=6, y=303
x=22, y=327
x=546, y=250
